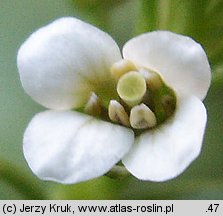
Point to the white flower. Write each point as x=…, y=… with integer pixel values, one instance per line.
x=66, y=67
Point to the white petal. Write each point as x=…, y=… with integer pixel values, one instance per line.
x=181, y=61
x=70, y=147
x=165, y=152
x=61, y=63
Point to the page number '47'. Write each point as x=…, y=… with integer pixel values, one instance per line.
x=212, y=208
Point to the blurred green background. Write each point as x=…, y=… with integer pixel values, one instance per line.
x=122, y=19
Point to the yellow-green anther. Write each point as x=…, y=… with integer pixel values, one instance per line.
x=142, y=117
x=117, y=113
x=131, y=88
x=122, y=67
x=152, y=78
x=93, y=106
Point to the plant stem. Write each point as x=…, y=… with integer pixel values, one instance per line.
x=118, y=172
x=17, y=179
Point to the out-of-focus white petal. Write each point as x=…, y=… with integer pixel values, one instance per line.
x=61, y=63
x=165, y=152
x=70, y=147
x=181, y=61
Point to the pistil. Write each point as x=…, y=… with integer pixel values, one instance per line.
x=131, y=88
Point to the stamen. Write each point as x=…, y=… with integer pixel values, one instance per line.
x=131, y=88
x=169, y=104
x=117, y=113
x=122, y=67
x=152, y=78
x=142, y=117
x=93, y=106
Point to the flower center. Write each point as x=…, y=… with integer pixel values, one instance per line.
x=131, y=88
x=144, y=102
